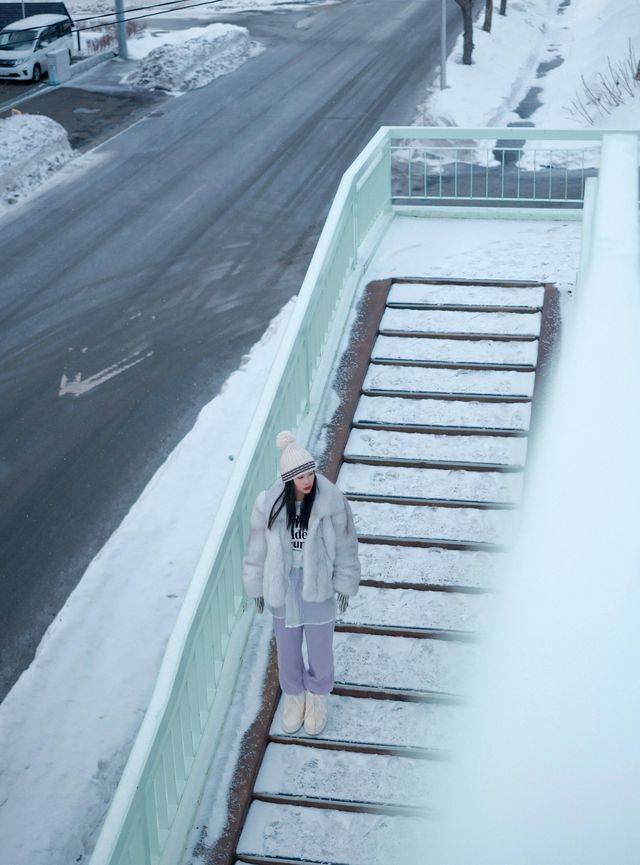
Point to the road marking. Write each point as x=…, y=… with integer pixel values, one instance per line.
x=78, y=386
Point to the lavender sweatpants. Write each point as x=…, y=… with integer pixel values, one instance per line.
x=294, y=678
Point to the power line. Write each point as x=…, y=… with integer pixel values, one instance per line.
x=29, y=41
x=148, y=6
x=138, y=17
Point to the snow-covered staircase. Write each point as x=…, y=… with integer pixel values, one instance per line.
x=433, y=468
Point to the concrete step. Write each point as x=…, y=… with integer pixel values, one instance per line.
x=467, y=295
x=444, y=413
x=447, y=569
x=447, y=381
x=430, y=484
x=336, y=776
x=455, y=350
x=510, y=324
x=402, y=663
x=493, y=450
x=383, y=724
x=410, y=608
x=293, y=834
x=457, y=524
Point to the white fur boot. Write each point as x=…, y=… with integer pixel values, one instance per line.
x=293, y=712
x=315, y=714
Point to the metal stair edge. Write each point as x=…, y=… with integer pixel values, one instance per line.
x=443, y=395
x=435, y=429
x=460, y=335
x=409, y=462
x=410, y=751
x=475, y=366
x=358, y=807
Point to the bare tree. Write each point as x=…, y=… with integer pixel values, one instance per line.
x=503, y=7
x=466, y=7
x=488, y=15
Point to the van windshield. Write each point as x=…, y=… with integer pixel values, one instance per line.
x=17, y=40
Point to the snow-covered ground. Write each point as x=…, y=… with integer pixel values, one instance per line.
x=62, y=746
x=484, y=93
x=481, y=249
x=576, y=39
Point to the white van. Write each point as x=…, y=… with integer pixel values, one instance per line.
x=24, y=45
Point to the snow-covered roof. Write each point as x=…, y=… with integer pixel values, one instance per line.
x=35, y=21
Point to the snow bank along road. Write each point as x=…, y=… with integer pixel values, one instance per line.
x=434, y=468
x=144, y=283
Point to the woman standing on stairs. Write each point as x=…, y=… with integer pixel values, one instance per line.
x=302, y=556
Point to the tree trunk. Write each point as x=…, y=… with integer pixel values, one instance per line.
x=488, y=15
x=503, y=7
x=467, y=21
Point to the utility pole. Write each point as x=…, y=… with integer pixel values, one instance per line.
x=443, y=45
x=122, y=30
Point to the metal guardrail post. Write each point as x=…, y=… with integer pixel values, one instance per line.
x=588, y=214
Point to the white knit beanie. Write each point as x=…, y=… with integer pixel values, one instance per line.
x=295, y=460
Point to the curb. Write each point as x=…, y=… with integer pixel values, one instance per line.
x=88, y=63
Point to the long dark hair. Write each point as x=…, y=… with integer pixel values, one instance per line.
x=287, y=499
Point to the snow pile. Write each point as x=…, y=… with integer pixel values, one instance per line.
x=481, y=94
x=218, y=50
x=146, y=41
x=68, y=724
x=32, y=147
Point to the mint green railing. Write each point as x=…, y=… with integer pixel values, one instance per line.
x=154, y=805
x=516, y=166
x=152, y=811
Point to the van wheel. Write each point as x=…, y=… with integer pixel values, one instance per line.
x=36, y=75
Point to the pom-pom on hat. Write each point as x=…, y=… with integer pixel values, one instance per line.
x=295, y=460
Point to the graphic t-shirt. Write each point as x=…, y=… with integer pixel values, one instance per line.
x=298, y=536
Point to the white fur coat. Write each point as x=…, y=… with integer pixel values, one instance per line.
x=330, y=556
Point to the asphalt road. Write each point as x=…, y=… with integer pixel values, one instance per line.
x=193, y=228
x=14, y=90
